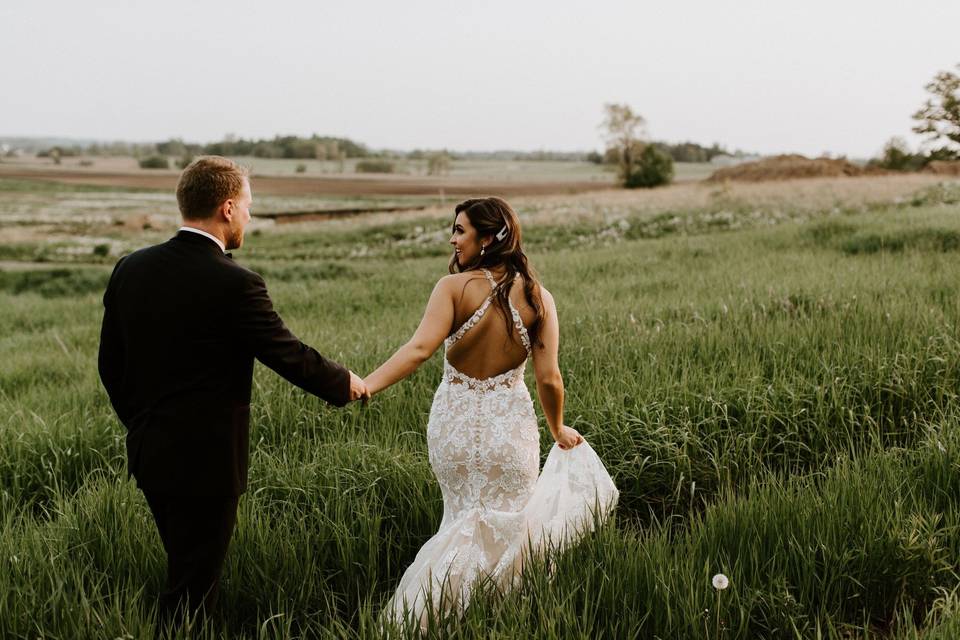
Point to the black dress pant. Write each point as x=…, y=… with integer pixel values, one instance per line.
x=196, y=533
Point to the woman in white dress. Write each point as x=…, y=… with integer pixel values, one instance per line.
x=492, y=314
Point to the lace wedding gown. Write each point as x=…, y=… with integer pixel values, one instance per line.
x=484, y=449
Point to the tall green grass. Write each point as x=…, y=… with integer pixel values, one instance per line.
x=772, y=404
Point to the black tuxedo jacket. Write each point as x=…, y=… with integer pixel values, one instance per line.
x=182, y=325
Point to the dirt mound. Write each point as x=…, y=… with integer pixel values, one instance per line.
x=786, y=167
x=943, y=167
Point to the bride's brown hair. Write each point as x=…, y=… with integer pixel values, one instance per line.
x=495, y=218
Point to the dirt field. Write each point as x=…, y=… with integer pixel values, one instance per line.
x=118, y=175
x=792, y=166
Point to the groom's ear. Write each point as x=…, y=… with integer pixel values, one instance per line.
x=225, y=210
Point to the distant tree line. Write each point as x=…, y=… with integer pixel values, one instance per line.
x=679, y=152
x=315, y=147
x=97, y=149
x=897, y=156
x=503, y=154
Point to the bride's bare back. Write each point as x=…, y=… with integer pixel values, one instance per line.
x=487, y=349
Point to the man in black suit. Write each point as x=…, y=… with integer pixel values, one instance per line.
x=182, y=325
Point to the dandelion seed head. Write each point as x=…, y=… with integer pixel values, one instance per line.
x=720, y=582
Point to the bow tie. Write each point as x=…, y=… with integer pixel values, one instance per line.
x=229, y=255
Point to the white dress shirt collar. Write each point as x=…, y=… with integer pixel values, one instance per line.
x=204, y=233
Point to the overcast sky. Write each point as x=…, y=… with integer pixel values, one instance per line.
x=840, y=76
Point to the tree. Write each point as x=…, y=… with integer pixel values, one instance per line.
x=654, y=167
x=625, y=131
x=172, y=147
x=939, y=118
x=898, y=157
x=438, y=164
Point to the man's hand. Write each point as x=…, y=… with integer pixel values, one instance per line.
x=358, y=388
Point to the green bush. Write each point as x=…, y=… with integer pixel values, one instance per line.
x=375, y=166
x=154, y=162
x=897, y=157
x=654, y=168
x=301, y=168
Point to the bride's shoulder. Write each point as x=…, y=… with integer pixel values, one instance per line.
x=459, y=280
x=547, y=298
x=538, y=287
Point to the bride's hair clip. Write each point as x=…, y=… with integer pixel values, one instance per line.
x=502, y=233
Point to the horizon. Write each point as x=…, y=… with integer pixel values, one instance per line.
x=86, y=141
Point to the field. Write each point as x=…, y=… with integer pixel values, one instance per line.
x=770, y=373
x=328, y=178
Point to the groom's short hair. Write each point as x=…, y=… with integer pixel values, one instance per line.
x=206, y=183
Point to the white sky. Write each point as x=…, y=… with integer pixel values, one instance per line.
x=820, y=75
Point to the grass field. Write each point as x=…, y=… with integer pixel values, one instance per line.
x=770, y=373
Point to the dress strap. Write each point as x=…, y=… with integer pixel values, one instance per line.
x=518, y=323
x=489, y=276
x=522, y=330
x=478, y=314
x=475, y=318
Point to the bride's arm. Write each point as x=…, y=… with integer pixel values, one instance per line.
x=546, y=369
x=434, y=327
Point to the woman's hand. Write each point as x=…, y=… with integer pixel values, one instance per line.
x=358, y=388
x=568, y=438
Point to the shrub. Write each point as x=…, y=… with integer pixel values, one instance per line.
x=154, y=162
x=897, y=157
x=301, y=168
x=185, y=160
x=375, y=166
x=654, y=168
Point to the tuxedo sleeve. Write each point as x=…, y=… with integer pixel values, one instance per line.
x=110, y=359
x=263, y=333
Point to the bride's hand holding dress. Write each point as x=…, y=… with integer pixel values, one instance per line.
x=568, y=438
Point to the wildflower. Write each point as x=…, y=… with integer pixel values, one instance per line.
x=720, y=582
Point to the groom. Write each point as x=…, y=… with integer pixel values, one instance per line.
x=182, y=325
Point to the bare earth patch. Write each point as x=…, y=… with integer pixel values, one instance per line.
x=787, y=167
x=340, y=185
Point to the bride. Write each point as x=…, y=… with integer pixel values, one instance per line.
x=492, y=314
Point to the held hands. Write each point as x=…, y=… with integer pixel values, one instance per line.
x=358, y=388
x=568, y=438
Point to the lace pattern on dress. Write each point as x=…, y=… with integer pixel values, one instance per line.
x=452, y=375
